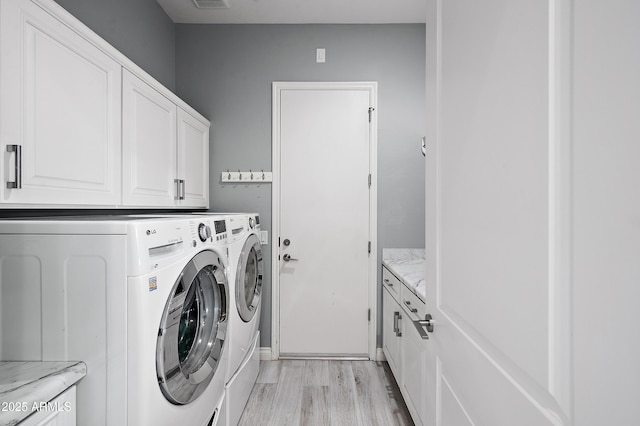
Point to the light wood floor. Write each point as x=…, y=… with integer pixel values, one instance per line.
x=325, y=393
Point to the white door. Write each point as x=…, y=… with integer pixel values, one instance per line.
x=60, y=107
x=495, y=226
x=324, y=220
x=193, y=160
x=149, y=145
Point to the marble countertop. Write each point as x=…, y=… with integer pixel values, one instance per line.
x=24, y=385
x=409, y=266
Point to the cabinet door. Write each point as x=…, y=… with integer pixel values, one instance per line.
x=60, y=107
x=193, y=161
x=149, y=145
x=414, y=362
x=391, y=324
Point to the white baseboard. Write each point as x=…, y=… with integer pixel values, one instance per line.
x=265, y=354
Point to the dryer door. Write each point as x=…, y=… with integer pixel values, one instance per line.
x=193, y=329
x=249, y=278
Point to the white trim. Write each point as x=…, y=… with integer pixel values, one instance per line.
x=265, y=353
x=277, y=87
x=380, y=355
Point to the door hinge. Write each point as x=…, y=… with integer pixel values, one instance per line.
x=369, y=180
x=369, y=247
x=369, y=314
x=371, y=109
x=278, y=241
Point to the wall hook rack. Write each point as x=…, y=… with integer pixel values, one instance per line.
x=246, y=176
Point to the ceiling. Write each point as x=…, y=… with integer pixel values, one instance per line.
x=299, y=12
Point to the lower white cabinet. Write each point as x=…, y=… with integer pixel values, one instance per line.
x=403, y=344
x=60, y=411
x=391, y=334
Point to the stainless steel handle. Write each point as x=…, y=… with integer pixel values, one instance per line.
x=396, y=318
x=427, y=323
x=287, y=258
x=180, y=190
x=408, y=303
x=387, y=282
x=17, y=183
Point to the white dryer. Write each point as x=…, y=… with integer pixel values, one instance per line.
x=142, y=301
x=246, y=269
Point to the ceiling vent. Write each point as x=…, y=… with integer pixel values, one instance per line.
x=211, y=4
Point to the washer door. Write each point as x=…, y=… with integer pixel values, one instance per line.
x=249, y=278
x=193, y=329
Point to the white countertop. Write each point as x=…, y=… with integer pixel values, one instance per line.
x=409, y=266
x=24, y=385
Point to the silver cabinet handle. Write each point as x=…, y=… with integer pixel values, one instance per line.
x=287, y=258
x=387, y=282
x=408, y=303
x=17, y=183
x=180, y=190
x=396, y=328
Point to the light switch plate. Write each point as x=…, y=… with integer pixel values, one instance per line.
x=320, y=56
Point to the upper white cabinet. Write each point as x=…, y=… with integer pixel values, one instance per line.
x=83, y=126
x=165, y=150
x=193, y=160
x=59, y=112
x=149, y=145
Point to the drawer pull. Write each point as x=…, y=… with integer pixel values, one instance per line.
x=408, y=303
x=396, y=328
x=387, y=282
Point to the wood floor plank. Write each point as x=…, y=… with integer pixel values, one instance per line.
x=316, y=373
x=269, y=372
x=343, y=407
x=259, y=405
x=371, y=396
x=287, y=403
x=399, y=410
x=315, y=406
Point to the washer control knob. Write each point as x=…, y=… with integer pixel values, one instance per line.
x=251, y=222
x=204, y=232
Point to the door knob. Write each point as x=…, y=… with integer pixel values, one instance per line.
x=287, y=258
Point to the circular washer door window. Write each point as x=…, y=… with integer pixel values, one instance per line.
x=193, y=329
x=249, y=278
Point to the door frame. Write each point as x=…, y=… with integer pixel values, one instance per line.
x=277, y=88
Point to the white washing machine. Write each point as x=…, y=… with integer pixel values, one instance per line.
x=246, y=269
x=142, y=301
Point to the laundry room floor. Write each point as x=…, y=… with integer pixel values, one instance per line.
x=323, y=393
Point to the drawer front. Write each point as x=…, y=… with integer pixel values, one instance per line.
x=413, y=306
x=391, y=283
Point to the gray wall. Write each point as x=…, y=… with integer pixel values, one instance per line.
x=226, y=71
x=140, y=29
